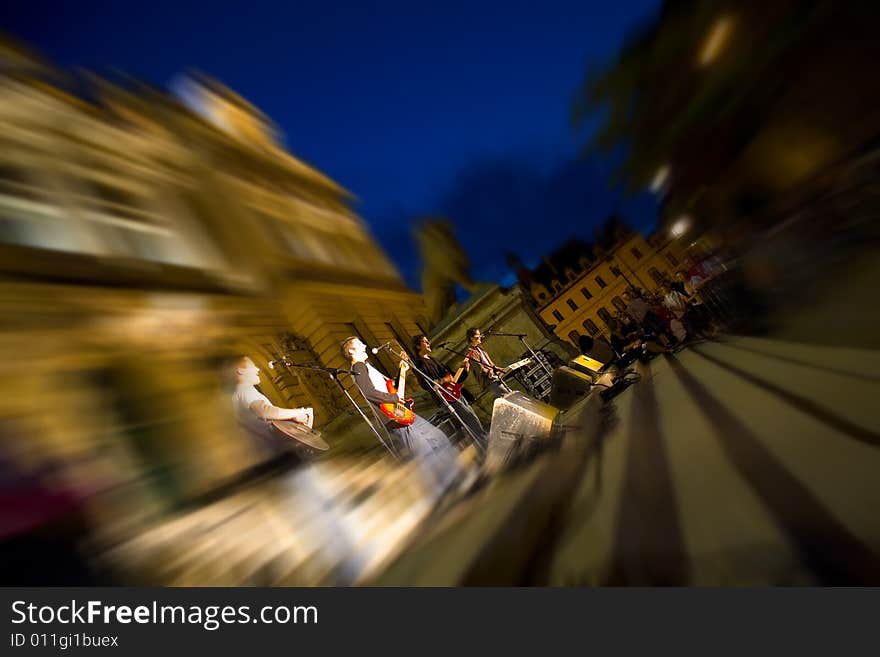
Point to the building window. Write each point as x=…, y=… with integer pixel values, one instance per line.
x=656, y=275
x=672, y=260
x=586, y=293
x=557, y=286
x=618, y=303
x=605, y=316
x=636, y=253
x=591, y=327
x=615, y=271
x=600, y=282
x=557, y=315
x=539, y=291
x=575, y=337
x=33, y=222
x=571, y=304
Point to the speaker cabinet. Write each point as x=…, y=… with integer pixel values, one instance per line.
x=569, y=387
x=519, y=424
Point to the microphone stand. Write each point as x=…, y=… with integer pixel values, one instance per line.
x=438, y=390
x=334, y=373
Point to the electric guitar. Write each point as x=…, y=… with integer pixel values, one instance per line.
x=400, y=411
x=452, y=389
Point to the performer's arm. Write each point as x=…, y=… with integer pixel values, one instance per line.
x=362, y=379
x=267, y=411
x=488, y=370
x=474, y=357
x=467, y=370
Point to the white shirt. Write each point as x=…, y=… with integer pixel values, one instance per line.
x=676, y=302
x=242, y=398
x=377, y=379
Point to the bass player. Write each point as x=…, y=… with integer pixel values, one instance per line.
x=453, y=392
x=422, y=440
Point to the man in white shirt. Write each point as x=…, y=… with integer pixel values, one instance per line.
x=254, y=411
x=422, y=440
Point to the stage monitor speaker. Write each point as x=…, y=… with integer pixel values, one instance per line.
x=569, y=387
x=589, y=366
x=519, y=423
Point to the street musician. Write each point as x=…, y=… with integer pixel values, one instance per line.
x=420, y=439
x=488, y=374
x=438, y=372
x=450, y=385
x=255, y=412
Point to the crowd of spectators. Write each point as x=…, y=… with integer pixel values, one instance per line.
x=682, y=310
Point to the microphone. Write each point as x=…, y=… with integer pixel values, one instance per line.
x=441, y=345
x=376, y=350
x=278, y=361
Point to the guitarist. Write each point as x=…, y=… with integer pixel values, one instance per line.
x=440, y=374
x=253, y=410
x=421, y=439
x=488, y=373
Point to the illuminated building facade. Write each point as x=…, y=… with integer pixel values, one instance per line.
x=579, y=288
x=142, y=239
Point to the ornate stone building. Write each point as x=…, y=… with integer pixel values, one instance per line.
x=143, y=237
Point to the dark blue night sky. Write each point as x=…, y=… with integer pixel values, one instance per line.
x=456, y=108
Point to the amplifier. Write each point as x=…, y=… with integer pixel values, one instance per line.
x=586, y=364
x=519, y=423
x=569, y=386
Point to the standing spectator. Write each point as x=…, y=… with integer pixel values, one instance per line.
x=676, y=303
x=647, y=318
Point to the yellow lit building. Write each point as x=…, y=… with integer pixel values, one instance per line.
x=142, y=239
x=580, y=288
